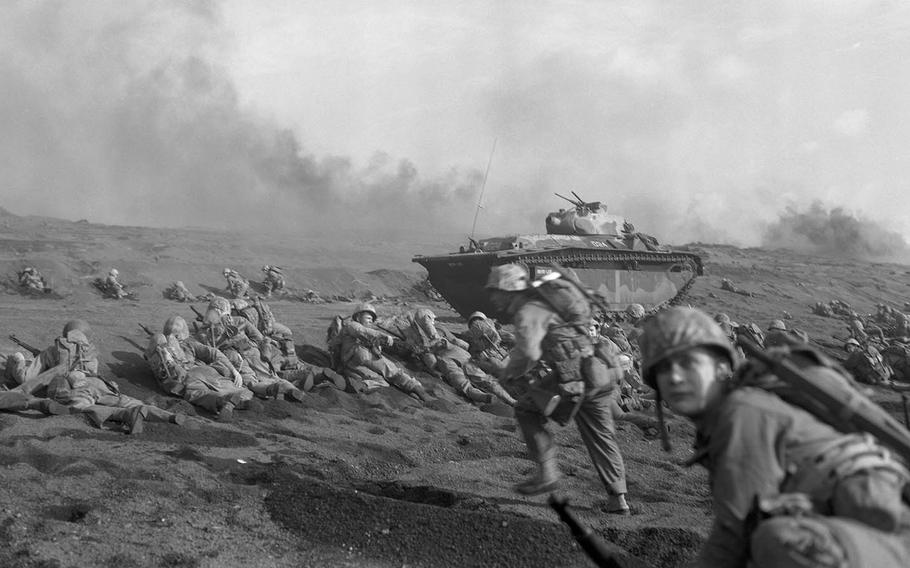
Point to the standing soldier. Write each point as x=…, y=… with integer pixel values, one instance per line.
x=360, y=345
x=551, y=326
x=274, y=279
x=788, y=489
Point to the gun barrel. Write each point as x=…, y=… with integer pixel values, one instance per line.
x=33, y=350
x=589, y=542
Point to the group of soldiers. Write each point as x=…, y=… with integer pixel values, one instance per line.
x=31, y=279
x=789, y=488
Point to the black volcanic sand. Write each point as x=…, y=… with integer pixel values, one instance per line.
x=375, y=480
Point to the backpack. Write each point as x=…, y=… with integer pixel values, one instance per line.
x=568, y=301
x=826, y=391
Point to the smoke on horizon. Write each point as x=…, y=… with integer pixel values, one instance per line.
x=835, y=233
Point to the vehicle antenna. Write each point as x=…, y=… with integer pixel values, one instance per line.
x=482, y=187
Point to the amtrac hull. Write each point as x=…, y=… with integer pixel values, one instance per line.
x=621, y=271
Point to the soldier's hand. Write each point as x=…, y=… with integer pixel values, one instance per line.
x=389, y=341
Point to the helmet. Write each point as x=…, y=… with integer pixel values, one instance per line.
x=226, y=271
x=675, y=330
x=240, y=304
x=851, y=341
x=176, y=325
x=155, y=341
x=221, y=305
x=114, y=272
x=636, y=311
x=476, y=315
x=722, y=318
x=76, y=325
x=266, y=268
x=424, y=314
x=508, y=278
x=364, y=307
x=777, y=324
x=179, y=284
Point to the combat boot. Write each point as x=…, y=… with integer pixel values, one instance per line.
x=294, y=395
x=544, y=480
x=617, y=505
x=420, y=393
x=476, y=395
x=226, y=414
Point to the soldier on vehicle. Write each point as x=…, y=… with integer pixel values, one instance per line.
x=237, y=285
x=199, y=374
x=359, y=348
x=551, y=326
x=274, y=279
x=788, y=489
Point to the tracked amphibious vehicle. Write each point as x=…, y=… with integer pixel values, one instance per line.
x=624, y=266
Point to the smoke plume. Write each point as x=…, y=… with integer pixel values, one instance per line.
x=835, y=233
x=120, y=112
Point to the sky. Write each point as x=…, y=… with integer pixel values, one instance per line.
x=697, y=120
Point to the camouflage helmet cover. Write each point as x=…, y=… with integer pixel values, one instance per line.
x=76, y=325
x=114, y=272
x=777, y=324
x=365, y=307
x=636, y=311
x=176, y=325
x=221, y=305
x=508, y=278
x=851, y=341
x=476, y=316
x=675, y=330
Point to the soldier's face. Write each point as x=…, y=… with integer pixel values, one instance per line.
x=365, y=318
x=689, y=381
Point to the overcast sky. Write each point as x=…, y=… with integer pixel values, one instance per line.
x=697, y=120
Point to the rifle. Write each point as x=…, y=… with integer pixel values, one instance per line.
x=147, y=331
x=33, y=350
x=848, y=405
x=592, y=545
x=199, y=315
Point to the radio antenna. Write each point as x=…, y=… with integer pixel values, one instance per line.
x=483, y=186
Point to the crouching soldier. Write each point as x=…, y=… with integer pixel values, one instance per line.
x=361, y=358
x=180, y=293
x=68, y=373
x=199, y=374
x=789, y=490
x=274, y=279
x=248, y=350
x=237, y=285
x=551, y=326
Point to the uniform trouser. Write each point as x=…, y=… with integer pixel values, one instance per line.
x=594, y=420
x=34, y=379
x=455, y=377
x=13, y=401
x=382, y=368
x=207, y=389
x=107, y=405
x=795, y=542
x=486, y=383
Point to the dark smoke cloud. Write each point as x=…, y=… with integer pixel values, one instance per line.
x=836, y=233
x=120, y=112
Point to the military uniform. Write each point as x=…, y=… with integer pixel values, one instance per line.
x=237, y=285
x=274, y=279
x=788, y=489
x=361, y=358
x=551, y=326
x=200, y=374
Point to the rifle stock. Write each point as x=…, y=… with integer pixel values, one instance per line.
x=853, y=405
x=199, y=315
x=589, y=542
